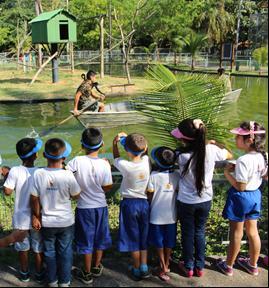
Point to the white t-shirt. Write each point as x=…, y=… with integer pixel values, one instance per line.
x=91, y=174
x=164, y=185
x=135, y=177
x=249, y=169
x=187, y=189
x=18, y=180
x=54, y=188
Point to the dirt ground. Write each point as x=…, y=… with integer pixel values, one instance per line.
x=116, y=274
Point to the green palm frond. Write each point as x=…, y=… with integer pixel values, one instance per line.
x=177, y=97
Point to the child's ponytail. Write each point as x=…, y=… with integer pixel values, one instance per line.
x=196, y=133
x=83, y=76
x=200, y=159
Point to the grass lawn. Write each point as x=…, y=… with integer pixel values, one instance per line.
x=14, y=85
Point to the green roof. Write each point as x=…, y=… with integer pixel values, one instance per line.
x=49, y=15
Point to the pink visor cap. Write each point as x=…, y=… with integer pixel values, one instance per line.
x=178, y=134
x=243, y=132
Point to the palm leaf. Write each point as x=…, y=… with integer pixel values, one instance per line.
x=176, y=97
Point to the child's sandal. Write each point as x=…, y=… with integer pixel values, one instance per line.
x=163, y=276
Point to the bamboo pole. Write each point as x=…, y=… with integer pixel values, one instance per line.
x=42, y=67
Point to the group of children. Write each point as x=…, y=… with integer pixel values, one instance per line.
x=175, y=185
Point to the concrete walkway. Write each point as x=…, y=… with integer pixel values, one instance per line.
x=116, y=275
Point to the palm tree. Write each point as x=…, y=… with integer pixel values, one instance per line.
x=219, y=23
x=176, y=97
x=193, y=42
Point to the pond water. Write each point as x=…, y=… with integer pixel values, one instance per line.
x=19, y=120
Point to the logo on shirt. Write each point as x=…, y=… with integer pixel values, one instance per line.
x=169, y=186
x=141, y=176
x=51, y=186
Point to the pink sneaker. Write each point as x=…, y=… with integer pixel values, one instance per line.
x=199, y=272
x=222, y=266
x=244, y=263
x=187, y=272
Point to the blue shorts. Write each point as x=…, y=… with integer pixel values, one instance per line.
x=163, y=236
x=33, y=240
x=134, y=225
x=242, y=206
x=92, y=230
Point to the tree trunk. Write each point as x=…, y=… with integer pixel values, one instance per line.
x=18, y=45
x=192, y=62
x=221, y=51
x=126, y=64
x=102, y=60
x=38, y=10
x=175, y=58
x=71, y=46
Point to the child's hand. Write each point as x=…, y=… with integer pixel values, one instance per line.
x=18, y=236
x=229, y=168
x=36, y=223
x=4, y=171
x=117, y=138
x=122, y=134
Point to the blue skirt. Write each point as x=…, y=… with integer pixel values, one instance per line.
x=242, y=206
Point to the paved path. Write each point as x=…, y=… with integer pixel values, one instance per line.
x=116, y=275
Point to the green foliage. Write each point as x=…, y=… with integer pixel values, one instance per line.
x=217, y=21
x=217, y=228
x=14, y=19
x=261, y=55
x=4, y=33
x=88, y=28
x=193, y=43
x=177, y=97
x=159, y=24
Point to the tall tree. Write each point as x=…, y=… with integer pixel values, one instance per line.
x=126, y=17
x=14, y=17
x=218, y=22
x=193, y=42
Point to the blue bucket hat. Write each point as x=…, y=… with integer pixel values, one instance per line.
x=123, y=143
x=65, y=154
x=154, y=155
x=37, y=147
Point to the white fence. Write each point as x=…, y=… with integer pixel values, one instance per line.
x=202, y=60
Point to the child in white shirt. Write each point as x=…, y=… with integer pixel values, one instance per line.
x=92, y=234
x=51, y=190
x=134, y=208
x=196, y=166
x=162, y=193
x=243, y=205
x=18, y=181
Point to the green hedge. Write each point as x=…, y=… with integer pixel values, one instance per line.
x=217, y=227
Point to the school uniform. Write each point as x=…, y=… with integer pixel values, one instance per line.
x=193, y=210
x=246, y=205
x=91, y=223
x=54, y=187
x=134, y=207
x=163, y=212
x=18, y=179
